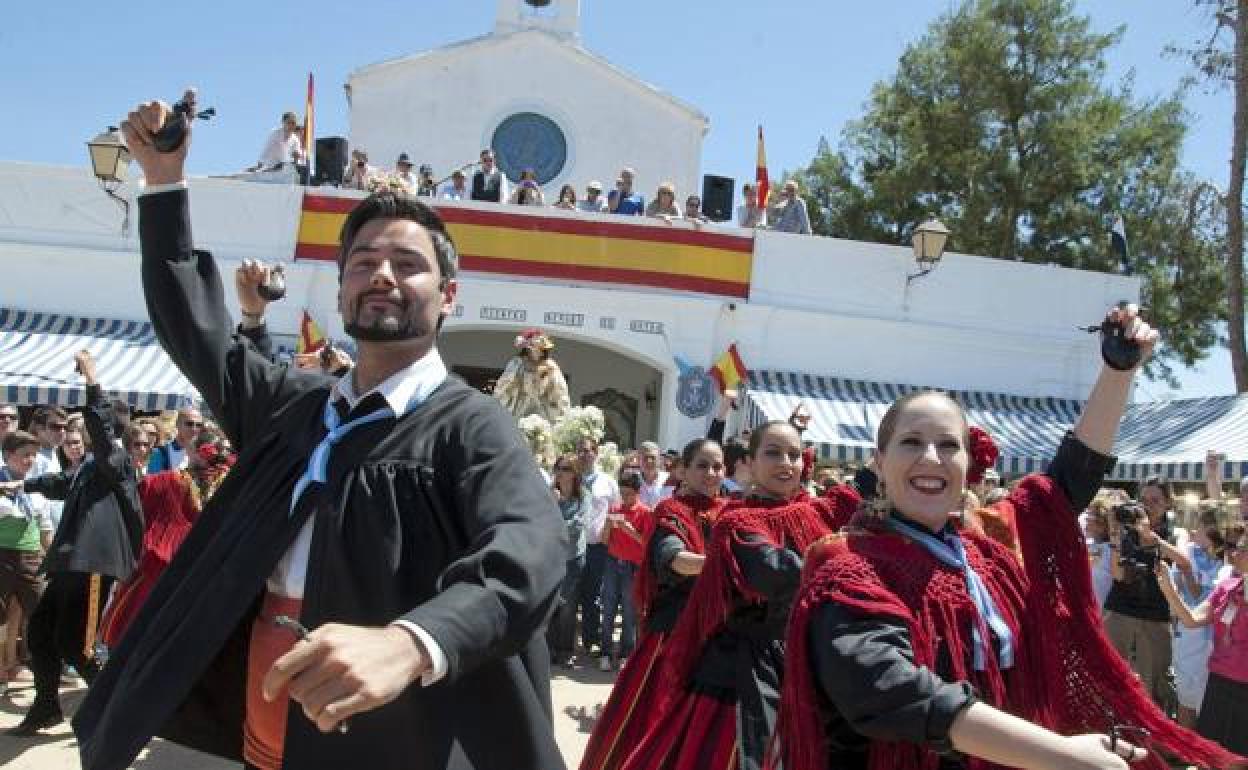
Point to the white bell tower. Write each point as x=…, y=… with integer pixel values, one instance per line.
x=561, y=18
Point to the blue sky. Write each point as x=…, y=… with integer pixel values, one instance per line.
x=802, y=68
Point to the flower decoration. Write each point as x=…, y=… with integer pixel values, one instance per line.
x=609, y=459
x=540, y=438
x=216, y=455
x=579, y=422
x=534, y=339
x=984, y=454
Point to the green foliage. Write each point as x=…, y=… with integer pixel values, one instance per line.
x=999, y=122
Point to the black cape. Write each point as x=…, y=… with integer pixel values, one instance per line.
x=439, y=517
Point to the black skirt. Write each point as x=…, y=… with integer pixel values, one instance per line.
x=1224, y=713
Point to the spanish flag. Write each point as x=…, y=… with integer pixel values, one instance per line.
x=310, y=339
x=309, y=126
x=760, y=172
x=729, y=371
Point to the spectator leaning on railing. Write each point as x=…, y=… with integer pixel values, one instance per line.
x=789, y=214
x=593, y=201
x=751, y=213
x=567, y=198
x=456, y=189
x=359, y=173
x=282, y=146
x=489, y=184
x=664, y=204
x=622, y=199
x=403, y=173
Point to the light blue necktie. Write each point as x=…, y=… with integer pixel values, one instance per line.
x=335, y=431
x=951, y=552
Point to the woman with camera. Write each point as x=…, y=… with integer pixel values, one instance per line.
x=915, y=645
x=1224, y=711
x=1136, y=617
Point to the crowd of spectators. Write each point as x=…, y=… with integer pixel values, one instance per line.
x=283, y=149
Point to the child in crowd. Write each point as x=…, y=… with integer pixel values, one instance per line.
x=625, y=533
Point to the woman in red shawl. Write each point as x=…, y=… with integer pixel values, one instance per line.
x=171, y=502
x=674, y=556
x=723, y=662
x=912, y=645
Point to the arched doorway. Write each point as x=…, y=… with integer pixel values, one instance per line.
x=626, y=388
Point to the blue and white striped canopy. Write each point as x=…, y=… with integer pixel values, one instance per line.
x=37, y=361
x=1168, y=438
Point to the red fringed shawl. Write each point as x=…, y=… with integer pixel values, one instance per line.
x=793, y=523
x=1066, y=676
x=844, y=502
x=684, y=516
x=169, y=510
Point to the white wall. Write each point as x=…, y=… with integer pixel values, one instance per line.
x=443, y=107
x=973, y=322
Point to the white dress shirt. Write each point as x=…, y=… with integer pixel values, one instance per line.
x=410, y=385
x=652, y=493
x=604, y=493
x=279, y=149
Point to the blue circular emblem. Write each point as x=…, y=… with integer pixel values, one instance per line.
x=529, y=140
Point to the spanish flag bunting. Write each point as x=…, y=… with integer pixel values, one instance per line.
x=617, y=251
x=311, y=339
x=729, y=371
x=760, y=171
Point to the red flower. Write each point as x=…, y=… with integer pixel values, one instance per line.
x=984, y=454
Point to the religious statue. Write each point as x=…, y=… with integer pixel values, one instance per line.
x=532, y=382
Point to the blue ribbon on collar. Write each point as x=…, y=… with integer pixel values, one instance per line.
x=335, y=431
x=951, y=551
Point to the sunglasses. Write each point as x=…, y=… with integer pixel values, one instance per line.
x=564, y=469
x=58, y=426
x=8, y=417
x=192, y=424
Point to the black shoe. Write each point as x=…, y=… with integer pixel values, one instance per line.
x=40, y=717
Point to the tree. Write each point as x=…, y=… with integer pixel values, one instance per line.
x=999, y=122
x=1225, y=63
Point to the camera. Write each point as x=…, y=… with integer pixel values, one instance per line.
x=1136, y=559
x=173, y=133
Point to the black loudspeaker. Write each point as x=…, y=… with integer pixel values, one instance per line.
x=717, y=197
x=331, y=160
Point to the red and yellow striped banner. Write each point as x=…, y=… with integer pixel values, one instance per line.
x=595, y=250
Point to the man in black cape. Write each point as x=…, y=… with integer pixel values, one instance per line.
x=396, y=510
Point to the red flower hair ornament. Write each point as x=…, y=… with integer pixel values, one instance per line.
x=984, y=453
x=214, y=454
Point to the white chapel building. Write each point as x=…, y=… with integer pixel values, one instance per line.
x=534, y=94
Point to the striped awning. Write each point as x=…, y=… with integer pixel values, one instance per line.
x=37, y=361
x=1166, y=438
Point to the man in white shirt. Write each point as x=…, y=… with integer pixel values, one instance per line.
x=283, y=146
x=593, y=202
x=603, y=493
x=457, y=188
x=49, y=425
x=653, y=477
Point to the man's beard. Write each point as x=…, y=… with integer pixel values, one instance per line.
x=398, y=325
x=384, y=329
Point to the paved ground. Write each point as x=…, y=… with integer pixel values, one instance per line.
x=578, y=693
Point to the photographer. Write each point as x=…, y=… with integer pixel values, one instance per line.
x=1137, y=618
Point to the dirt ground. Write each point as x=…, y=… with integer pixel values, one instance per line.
x=578, y=694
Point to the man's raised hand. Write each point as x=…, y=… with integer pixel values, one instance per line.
x=139, y=130
x=85, y=364
x=247, y=281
